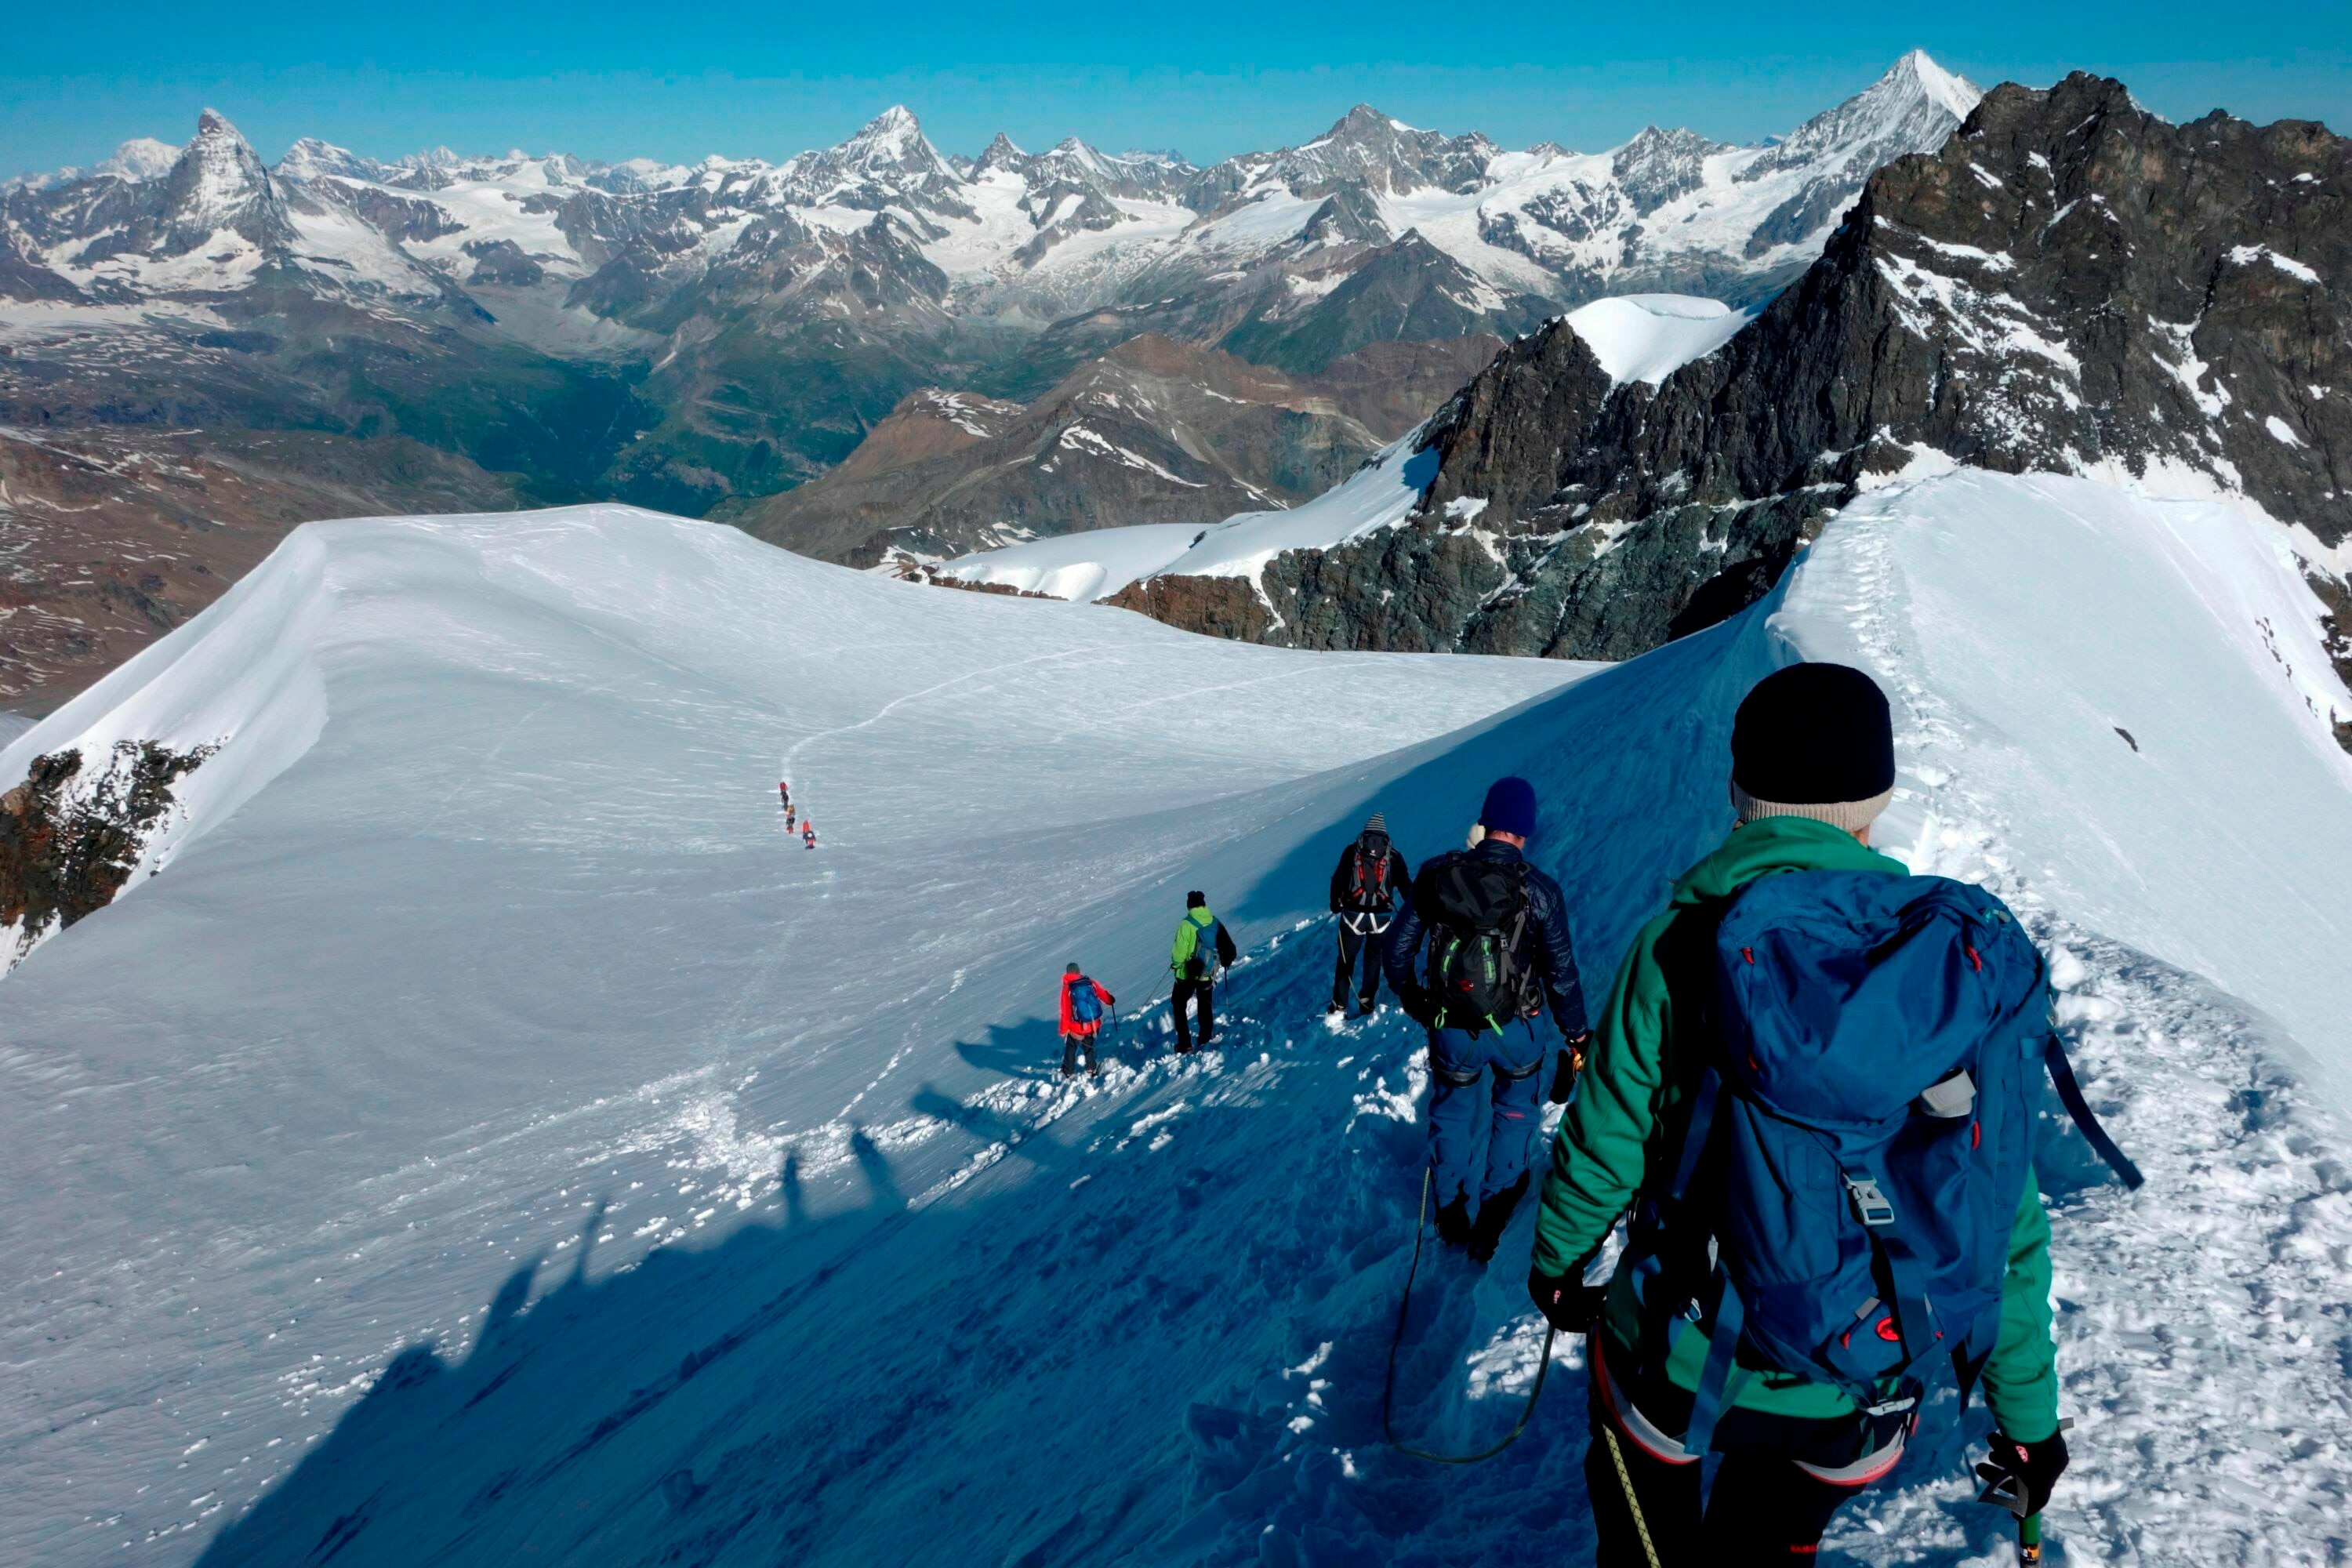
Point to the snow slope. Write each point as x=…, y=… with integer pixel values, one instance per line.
x=1380, y=494
x=1080, y=567
x=484, y=915
x=512, y=941
x=1648, y=337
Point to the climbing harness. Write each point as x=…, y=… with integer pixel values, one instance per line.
x=1625, y=1480
x=1387, y=1388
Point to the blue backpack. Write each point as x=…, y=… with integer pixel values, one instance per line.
x=1865, y=1134
x=1086, y=1007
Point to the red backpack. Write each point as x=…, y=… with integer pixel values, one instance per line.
x=1369, y=893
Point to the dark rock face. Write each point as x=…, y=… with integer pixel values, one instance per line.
x=502, y=261
x=69, y=841
x=1659, y=165
x=2068, y=284
x=1408, y=291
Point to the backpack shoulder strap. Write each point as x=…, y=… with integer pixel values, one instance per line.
x=2070, y=1095
x=1720, y=1377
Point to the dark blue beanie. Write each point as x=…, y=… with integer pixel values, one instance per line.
x=1510, y=808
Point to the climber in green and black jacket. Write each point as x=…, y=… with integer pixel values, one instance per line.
x=1812, y=765
x=1203, y=948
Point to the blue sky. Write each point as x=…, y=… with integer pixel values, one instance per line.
x=1209, y=79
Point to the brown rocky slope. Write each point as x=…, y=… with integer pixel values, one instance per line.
x=1154, y=431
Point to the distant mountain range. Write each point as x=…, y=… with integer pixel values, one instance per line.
x=701, y=336
x=2068, y=284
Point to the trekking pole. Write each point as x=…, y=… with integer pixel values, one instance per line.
x=2005, y=1489
x=1388, y=1387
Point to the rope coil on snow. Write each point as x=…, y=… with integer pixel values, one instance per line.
x=1388, y=1387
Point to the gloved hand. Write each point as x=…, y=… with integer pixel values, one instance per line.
x=1419, y=1005
x=2020, y=1477
x=1571, y=1063
x=1566, y=1301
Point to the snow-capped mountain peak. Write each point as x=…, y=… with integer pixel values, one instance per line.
x=1892, y=112
x=1660, y=164
x=1362, y=123
x=218, y=185
x=141, y=158
x=1955, y=92
x=891, y=137
x=888, y=160
x=1001, y=153
x=310, y=159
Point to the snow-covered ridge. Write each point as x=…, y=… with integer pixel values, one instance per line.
x=1648, y=337
x=1079, y=567
x=503, y=1043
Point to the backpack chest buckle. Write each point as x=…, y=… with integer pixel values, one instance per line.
x=1870, y=1205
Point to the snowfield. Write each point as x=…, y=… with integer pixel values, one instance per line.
x=490, y=1139
x=1079, y=567
x=1648, y=337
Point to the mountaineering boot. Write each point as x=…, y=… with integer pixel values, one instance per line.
x=1454, y=1220
x=1365, y=1006
x=1338, y=1008
x=1494, y=1218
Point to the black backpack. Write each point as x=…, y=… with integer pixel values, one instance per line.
x=1368, y=874
x=1477, y=914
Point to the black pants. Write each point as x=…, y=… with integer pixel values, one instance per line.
x=1764, y=1508
x=1070, y=1043
x=1203, y=994
x=1373, y=945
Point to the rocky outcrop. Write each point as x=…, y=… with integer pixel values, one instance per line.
x=70, y=838
x=2069, y=284
x=1218, y=606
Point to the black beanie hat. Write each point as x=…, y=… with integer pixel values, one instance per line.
x=1813, y=741
x=1196, y=899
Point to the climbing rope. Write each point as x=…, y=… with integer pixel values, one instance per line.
x=1387, y=1388
x=1625, y=1480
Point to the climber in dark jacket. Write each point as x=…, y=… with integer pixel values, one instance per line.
x=1526, y=905
x=1371, y=881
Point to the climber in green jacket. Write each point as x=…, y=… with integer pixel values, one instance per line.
x=1203, y=950
x=1812, y=764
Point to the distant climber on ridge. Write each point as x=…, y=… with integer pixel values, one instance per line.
x=1203, y=947
x=1774, y=1081
x=1498, y=948
x=785, y=791
x=1366, y=885
x=1084, y=1004
x=808, y=834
